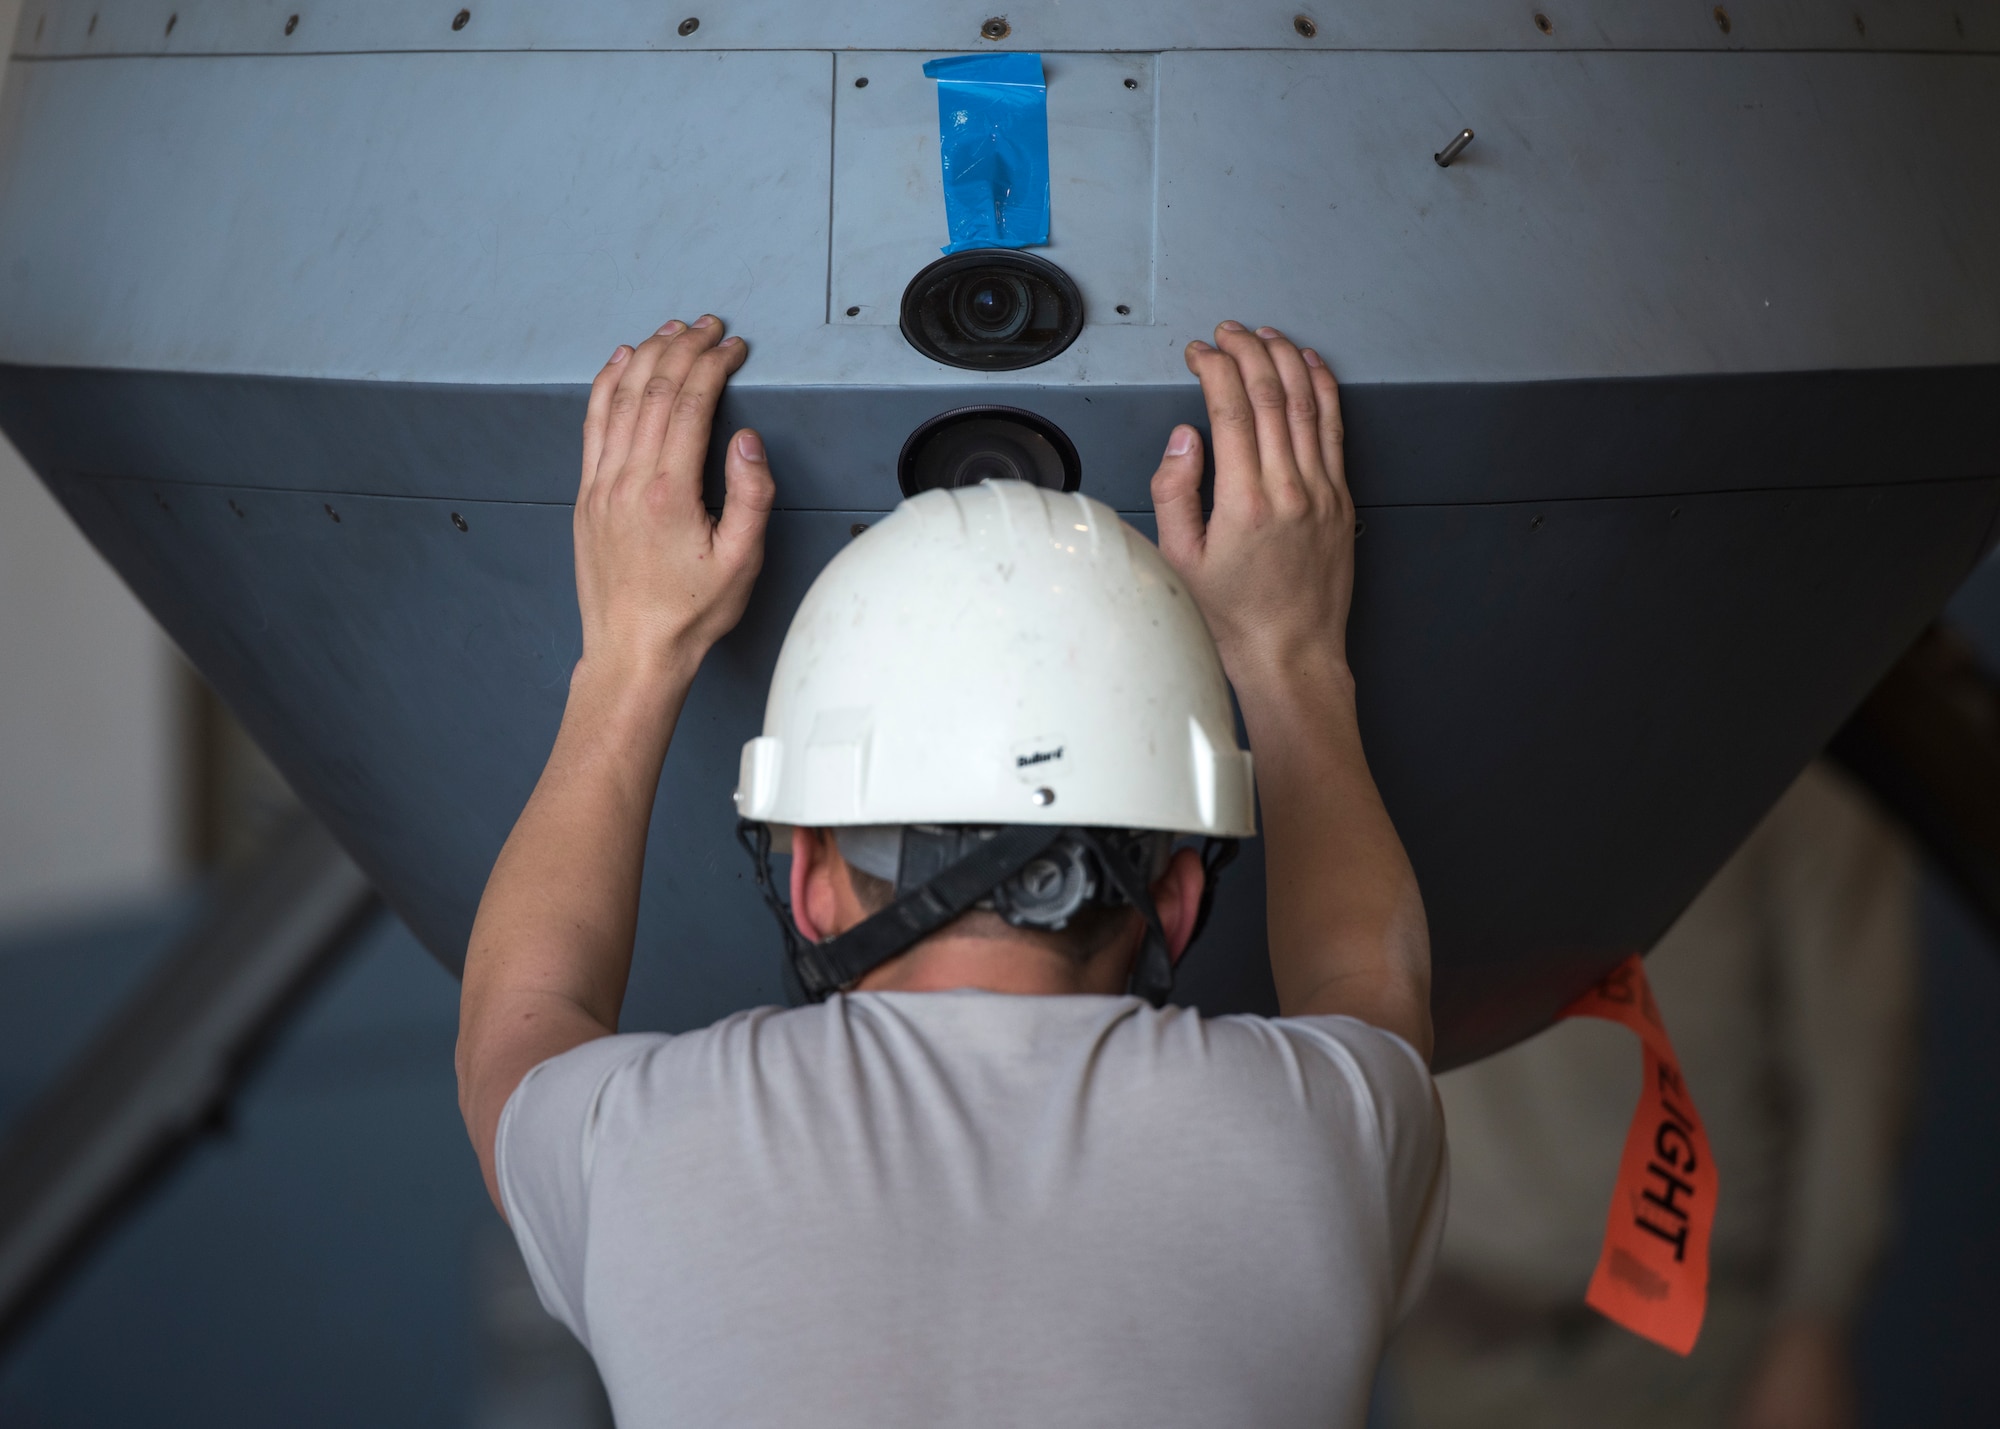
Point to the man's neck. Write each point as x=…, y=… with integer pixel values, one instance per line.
x=956, y=962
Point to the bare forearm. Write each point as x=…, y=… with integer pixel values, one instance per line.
x=552, y=943
x=1347, y=928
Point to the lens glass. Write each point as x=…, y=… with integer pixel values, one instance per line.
x=992, y=310
x=988, y=444
x=992, y=307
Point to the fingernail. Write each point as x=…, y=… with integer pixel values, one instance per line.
x=620, y=353
x=705, y=320
x=730, y=342
x=1234, y=326
x=1198, y=346
x=1312, y=358
x=748, y=446
x=1181, y=442
x=670, y=327
x=1267, y=332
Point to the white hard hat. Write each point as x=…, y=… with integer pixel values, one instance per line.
x=999, y=654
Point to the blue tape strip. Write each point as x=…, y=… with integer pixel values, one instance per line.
x=993, y=135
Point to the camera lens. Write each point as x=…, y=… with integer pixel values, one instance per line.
x=993, y=307
x=976, y=444
x=992, y=310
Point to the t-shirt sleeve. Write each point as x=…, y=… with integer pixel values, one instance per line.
x=1390, y=1081
x=542, y=1160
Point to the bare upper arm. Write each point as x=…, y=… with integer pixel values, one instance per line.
x=501, y=1038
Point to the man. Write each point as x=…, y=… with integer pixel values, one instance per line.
x=1789, y=988
x=978, y=1182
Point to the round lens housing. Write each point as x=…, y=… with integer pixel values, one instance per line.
x=992, y=310
x=976, y=444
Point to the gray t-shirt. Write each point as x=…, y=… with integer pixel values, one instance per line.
x=965, y=1208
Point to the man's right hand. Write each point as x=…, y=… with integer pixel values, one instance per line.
x=1272, y=567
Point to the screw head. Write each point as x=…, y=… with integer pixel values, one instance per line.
x=689, y=26
x=1534, y=523
x=291, y=24
x=173, y=20
x=1042, y=798
x=459, y=521
x=461, y=19
x=1305, y=26
x=857, y=528
x=1722, y=19
x=1124, y=310
x=861, y=83
x=996, y=28
x=330, y=511
x=854, y=312
x=1131, y=84
x=1544, y=23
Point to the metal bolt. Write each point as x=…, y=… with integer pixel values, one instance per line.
x=1042, y=798
x=1305, y=26
x=1544, y=23
x=459, y=521
x=689, y=26
x=1131, y=84
x=1124, y=310
x=854, y=312
x=1452, y=150
x=861, y=83
x=1722, y=19
x=461, y=19
x=291, y=24
x=857, y=528
x=996, y=28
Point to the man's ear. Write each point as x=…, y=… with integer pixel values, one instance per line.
x=1177, y=899
x=812, y=894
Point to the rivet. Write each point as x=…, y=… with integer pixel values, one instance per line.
x=1722, y=19
x=1544, y=23
x=1131, y=84
x=689, y=26
x=1124, y=310
x=1453, y=149
x=861, y=83
x=173, y=20
x=1042, y=798
x=461, y=19
x=857, y=528
x=291, y=24
x=330, y=511
x=459, y=521
x=996, y=28
x=1305, y=26
x=854, y=312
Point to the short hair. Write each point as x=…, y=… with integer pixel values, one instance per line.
x=1091, y=928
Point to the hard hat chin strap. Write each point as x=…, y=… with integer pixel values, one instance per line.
x=824, y=968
